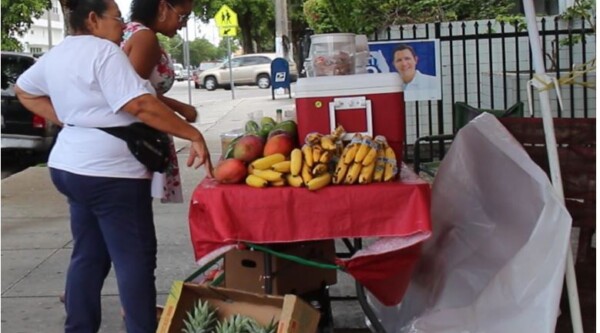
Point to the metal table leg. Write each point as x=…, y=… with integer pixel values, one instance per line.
x=268, y=273
x=376, y=326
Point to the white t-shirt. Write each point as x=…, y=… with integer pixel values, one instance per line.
x=88, y=80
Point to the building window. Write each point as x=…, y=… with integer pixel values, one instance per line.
x=35, y=50
x=55, y=10
x=32, y=31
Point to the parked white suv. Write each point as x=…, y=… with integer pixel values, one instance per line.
x=249, y=69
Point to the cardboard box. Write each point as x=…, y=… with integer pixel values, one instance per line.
x=294, y=315
x=347, y=94
x=244, y=269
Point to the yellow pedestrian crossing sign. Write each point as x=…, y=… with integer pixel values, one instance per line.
x=226, y=18
x=229, y=32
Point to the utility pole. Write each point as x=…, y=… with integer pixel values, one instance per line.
x=49, y=17
x=282, y=36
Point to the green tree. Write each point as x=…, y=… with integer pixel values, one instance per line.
x=256, y=19
x=365, y=16
x=17, y=17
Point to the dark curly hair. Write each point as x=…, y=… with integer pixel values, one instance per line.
x=145, y=11
x=80, y=9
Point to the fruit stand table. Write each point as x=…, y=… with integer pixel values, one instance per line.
x=396, y=213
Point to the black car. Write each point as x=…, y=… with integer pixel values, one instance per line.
x=22, y=131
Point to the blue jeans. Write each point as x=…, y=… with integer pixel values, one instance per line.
x=111, y=221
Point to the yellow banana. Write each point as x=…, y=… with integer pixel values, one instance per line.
x=338, y=133
x=363, y=149
x=256, y=181
x=266, y=162
x=327, y=142
x=295, y=181
x=349, y=152
x=316, y=150
x=319, y=169
x=296, y=162
x=325, y=156
x=283, y=167
x=379, y=164
x=340, y=172
x=308, y=155
x=278, y=183
x=391, y=167
x=372, y=154
x=319, y=182
x=269, y=175
x=366, y=173
x=353, y=173
x=306, y=175
x=313, y=138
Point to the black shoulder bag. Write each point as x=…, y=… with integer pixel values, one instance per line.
x=149, y=146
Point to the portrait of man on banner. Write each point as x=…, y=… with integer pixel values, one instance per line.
x=417, y=63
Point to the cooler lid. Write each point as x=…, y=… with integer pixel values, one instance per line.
x=358, y=84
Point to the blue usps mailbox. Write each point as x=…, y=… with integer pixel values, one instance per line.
x=280, y=76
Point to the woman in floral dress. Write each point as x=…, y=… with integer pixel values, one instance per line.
x=140, y=43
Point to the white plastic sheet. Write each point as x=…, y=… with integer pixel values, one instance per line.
x=496, y=260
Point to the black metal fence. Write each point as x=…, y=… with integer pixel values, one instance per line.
x=488, y=64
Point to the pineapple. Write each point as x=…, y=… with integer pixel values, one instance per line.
x=235, y=324
x=254, y=327
x=201, y=319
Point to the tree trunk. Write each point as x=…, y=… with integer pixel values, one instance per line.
x=246, y=27
x=65, y=10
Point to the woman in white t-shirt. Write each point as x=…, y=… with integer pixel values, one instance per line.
x=87, y=82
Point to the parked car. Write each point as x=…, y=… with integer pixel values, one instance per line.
x=22, y=131
x=249, y=69
x=181, y=73
x=201, y=68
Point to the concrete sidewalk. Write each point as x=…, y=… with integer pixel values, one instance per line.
x=36, y=240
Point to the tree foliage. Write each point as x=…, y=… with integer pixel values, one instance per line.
x=200, y=49
x=256, y=19
x=365, y=16
x=17, y=17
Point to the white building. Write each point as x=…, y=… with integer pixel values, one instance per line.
x=45, y=32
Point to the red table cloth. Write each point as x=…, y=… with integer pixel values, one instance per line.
x=398, y=213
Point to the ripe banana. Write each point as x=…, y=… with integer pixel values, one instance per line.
x=266, y=162
x=278, y=183
x=319, y=169
x=313, y=138
x=379, y=164
x=296, y=162
x=353, y=173
x=308, y=155
x=319, y=182
x=256, y=181
x=391, y=167
x=325, y=157
x=316, y=150
x=349, y=152
x=372, y=154
x=340, y=171
x=363, y=149
x=283, y=167
x=269, y=175
x=366, y=173
x=306, y=175
x=328, y=142
x=295, y=181
x=338, y=133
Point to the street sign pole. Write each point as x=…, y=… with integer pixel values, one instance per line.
x=230, y=70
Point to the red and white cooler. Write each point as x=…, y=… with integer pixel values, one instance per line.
x=371, y=104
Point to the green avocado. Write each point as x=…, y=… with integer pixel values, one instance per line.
x=289, y=126
x=265, y=129
x=267, y=121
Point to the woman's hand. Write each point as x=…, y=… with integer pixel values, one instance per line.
x=199, y=155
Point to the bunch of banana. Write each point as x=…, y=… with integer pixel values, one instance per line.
x=365, y=160
x=268, y=170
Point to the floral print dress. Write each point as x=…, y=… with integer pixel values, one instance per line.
x=167, y=185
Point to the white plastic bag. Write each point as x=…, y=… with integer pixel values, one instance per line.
x=496, y=260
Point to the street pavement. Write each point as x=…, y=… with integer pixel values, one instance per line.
x=36, y=241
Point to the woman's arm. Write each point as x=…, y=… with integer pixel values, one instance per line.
x=157, y=114
x=143, y=52
x=187, y=111
x=40, y=105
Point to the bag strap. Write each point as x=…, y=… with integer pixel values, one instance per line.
x=120, y=132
